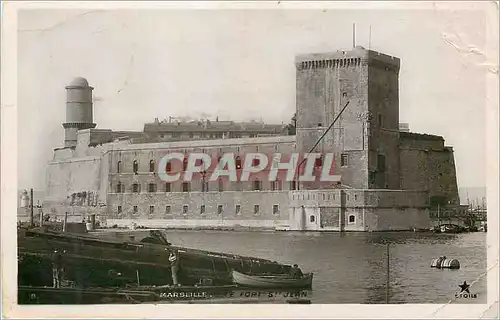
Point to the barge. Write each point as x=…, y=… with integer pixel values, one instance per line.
x=91, y=262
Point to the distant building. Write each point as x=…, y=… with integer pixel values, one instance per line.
x=206, y=129
x=390, y=177
x=404, y=127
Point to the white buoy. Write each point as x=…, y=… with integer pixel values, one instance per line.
x=450, y=264
x=442, y=263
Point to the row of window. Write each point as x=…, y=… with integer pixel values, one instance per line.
x=185, y=209
x=344, y=161
x=329, y=196
x=351, y=219
x=211, y=136
x=186, y=186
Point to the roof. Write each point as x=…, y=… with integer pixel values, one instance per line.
x=79, y=82
x=419, y=136
x=208, y=143
x=214, y=126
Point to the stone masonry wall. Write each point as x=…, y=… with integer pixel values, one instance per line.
x=73, y=186
x=432, y=170
x=383, y=101
x=358, y=210
x=271, y=206
x=324, y=86
x=128, y=154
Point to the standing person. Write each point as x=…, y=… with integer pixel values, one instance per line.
x=295, y=272
x=57, y=269
x=174, y=264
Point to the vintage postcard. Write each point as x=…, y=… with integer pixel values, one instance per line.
x=233, y=159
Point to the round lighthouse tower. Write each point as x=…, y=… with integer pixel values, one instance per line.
x=79, y=114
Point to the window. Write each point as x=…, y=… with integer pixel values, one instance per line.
x=221, y=185
x=151, y=166
x=220, y=208
x=118, y=167
x=344, y=160
x=255, y=162
x=152, y=187
x=202, y=209
x=312, y=219
x=136, y=188
x=185, y=187
x=238, y=162
x=352, y=219
x=344, y=94
x=204, y=186
x=167, y=187
x=371, y=177
x=190, y=134
x=278, y=185
x=318, y=162
x=184, y=164
x=276, y=209
x=135, y=166
x=168, y=167
x=151, y=209
x=119, y=209
x=355, y=197
x=257, y=185
x=256, y=209
x=381, y=163
x=168, y=210
x=136, y=209
x=320, y=124
x=119, y=187
x=237, y=209
x=185, y=209
x=293, y=185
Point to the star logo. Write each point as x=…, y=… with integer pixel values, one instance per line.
x=464, y=287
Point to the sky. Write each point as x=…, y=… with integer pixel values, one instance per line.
x=239, y=65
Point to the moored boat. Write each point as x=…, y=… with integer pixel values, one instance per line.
x=273, y=281
x=95, y=262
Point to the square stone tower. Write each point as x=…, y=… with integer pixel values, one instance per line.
x=365, y=139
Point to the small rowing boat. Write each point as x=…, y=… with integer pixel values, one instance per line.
x=274, y=281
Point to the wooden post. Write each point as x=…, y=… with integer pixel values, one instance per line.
x=138, y=280
x=65, y=221
x=388, y=278
x=41, y=217
x=32, y=223
x=438, y=214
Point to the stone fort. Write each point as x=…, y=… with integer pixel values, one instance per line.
x=390, y=177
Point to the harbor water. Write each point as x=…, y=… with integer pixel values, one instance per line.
x=352, y=267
